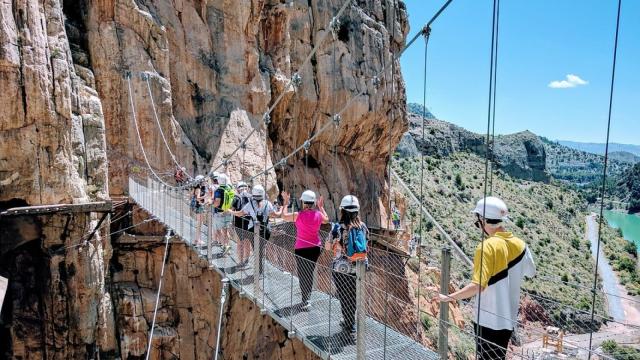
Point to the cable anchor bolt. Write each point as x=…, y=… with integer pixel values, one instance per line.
x=335, y=27
x=266, y=118
x=375, y=82
x=306, y=145
x=225, y=162
x=144, y=76
x=337, y=119
x=426, y=31
x=296, y=81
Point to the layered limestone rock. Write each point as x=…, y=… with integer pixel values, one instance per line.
x=57, y=303
x=52, y=151
x=51, y=121
x=189, y=308
x=215, y=68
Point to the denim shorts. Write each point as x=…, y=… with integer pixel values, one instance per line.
x=221, y=221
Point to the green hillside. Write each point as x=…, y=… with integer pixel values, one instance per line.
x=549, y=217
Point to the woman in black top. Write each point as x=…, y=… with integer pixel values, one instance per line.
x=344, y=270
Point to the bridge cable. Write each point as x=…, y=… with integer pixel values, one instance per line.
x=389, y=164
x=155, y=309
x=427, y=34
x=603, y=190
x=144, y=153
x=493, y=111
x=155, y=115
x=486, y=166
x=293, y=81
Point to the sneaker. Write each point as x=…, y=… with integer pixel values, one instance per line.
x=306, y=306
x=351, y=328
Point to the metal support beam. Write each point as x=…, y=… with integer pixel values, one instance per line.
x=445, y=276
x=361, y=316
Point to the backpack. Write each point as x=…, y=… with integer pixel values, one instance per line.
x=229, y=194
x=194, y=200
x=356, y=243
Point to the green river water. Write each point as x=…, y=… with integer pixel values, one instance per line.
x=630, y=225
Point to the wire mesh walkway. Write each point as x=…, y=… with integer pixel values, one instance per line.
x=277, y=290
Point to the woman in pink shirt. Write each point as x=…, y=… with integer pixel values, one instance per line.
x=308, y=243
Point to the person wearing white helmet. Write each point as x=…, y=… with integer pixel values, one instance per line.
x=500, y=263
x=259, y=209
x=308, y=244
x=198, y=199
x=221, y=201
x=349, y=243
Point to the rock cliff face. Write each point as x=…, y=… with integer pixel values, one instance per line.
x=215, y=68
x=52, y=151
x=521, y=154
x=204, y=72
x=187, y=320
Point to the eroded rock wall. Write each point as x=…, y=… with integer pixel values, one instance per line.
x=52, y=151
x=187, y=320
x=214, y=69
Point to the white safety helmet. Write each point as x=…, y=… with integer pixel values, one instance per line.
x=258, y=192
x=222, y=179
x=199, y=178
x=242, y=184
x=350, y=203
x=308, y=197
x=491, y=208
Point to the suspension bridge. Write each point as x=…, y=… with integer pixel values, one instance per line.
x=270, y=277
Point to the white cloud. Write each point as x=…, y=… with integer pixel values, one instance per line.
x=570, y=82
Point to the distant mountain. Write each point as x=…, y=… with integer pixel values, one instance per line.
x=625, y=157
x=598, y=148
x=521, y=155
x=580, y=167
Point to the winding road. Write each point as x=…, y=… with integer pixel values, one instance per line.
x=610, y=283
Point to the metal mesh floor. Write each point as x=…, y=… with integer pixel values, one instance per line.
x=277, y=291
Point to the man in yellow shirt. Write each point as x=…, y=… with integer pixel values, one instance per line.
x=500, y=264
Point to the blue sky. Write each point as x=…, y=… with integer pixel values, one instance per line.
x=540, y=42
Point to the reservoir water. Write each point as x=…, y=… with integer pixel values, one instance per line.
x=629, y=224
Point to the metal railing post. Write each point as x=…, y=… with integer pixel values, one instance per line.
x=223, y=299
x=443, y=328
x=360, y=310
x=256, y=261
x=209, y=235
x=181, y=201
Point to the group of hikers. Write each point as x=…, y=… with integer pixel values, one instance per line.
x=501, y=260
x=248, y=209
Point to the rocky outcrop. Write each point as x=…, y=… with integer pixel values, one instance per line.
x=521, y=155
x=57, y=304
x=51, y=118
x=52, y=151
x=187, y=318
x=215, y=67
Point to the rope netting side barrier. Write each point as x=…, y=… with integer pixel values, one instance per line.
x=398, y=317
